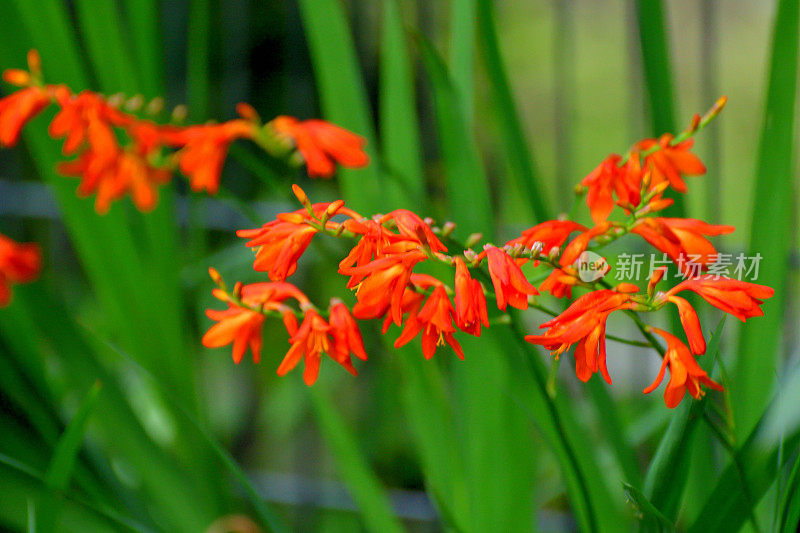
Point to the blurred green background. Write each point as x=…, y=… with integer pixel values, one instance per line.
x=486, y=113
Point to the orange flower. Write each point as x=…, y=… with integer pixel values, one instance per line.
x=607, y=178
x=385, y=280
x=549, y=234
x=739, y=298
x=435, y=321
x=346, y=335
x=280, y=243
x=236, y=325
x=18, y=109
x=204, y=149
x=375, y=238
x=470, y=311
x=242, y=325
x=671, y=162
x=559, y=283
x=579, y=244
x=682, y=239
x=684, y=372
x=691, y=324
x=322, y=145
x=412, y=226
x=510, y=285
x=309, y=341
x=19, y=263
x=584, y=322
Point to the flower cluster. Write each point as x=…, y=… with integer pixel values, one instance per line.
x=117, y=153
x=19, y=263
x=388, y=248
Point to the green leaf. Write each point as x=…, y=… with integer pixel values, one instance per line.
x=760, y=341
x=62, y=463
x=790, y=501
x=343, y=97
x=399, y=127
x=646, y=511
x=22, y=484
x=468, y=197
x=754, y=469
x=363, y=484
x=594, y=504
x=462, y=54
x=265, y=514
x=515, y=145
x=666, y=478
x=69, y=445
x=658, y=77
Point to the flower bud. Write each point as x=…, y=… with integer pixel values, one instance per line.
x=34, y=63
x=473, y=239
x=216, y=278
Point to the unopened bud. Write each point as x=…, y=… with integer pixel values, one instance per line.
x=154, y=106
x=626, y=288
x=247, y=112
x=301, y=196
x=220, y=294
x=116, y=100
x=448, y=228
x=659, y=204
x=216, y=278
x=237, y=290
x=134, y=103
x=17, y=77
x=580, y=190
x=333, y=208
x=473, y=239
x=646, y=179
x=34, y=62
x=718, y=106
x=553, y=253
x=655, y=278
x=695, y=124
x=660, y=188
x=470, y=255
x=179, y=113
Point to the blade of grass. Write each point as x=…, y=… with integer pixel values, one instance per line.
x=495, y=433
x=343, y=97
x=365, y=487
x=657, y=69
x=105, y=36
x=790, y=501
x=468, y=197
x=265, y=514
x=430, y=418
x=198, y=61
x=520, y=160
x=650, y=516
x=399, y=128
x=759, y=343
x=666, y=478
x=462, y=55
x=181, y=505
x=66, y=452
x=62, y=463
x=747, y=478
x=592, y=500
x=144, y=18
x=21, y=482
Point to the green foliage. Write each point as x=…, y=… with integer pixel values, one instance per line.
x=492, y=445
